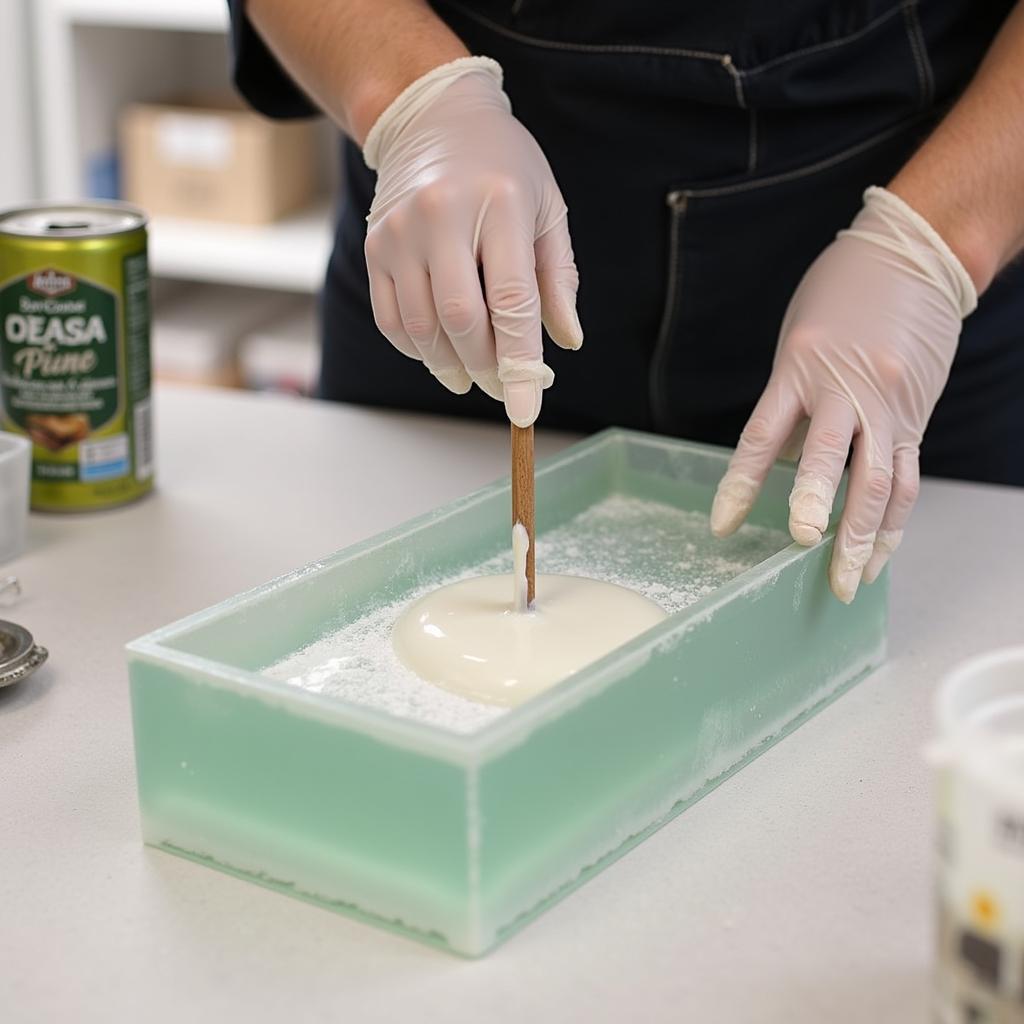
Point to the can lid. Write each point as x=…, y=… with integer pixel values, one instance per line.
x=20, y=655
x=71, y=220
x=980, y=709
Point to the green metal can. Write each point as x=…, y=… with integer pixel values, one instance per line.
x=75, y=372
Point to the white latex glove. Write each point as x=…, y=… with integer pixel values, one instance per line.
x=461, y=185
x=864, y=352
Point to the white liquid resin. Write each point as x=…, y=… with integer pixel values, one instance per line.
x=665, y=554
x=469, y=637
x=520, y=582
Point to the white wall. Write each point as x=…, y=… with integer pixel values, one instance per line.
x=17, y=177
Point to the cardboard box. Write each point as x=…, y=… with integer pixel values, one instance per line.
x=215, y=160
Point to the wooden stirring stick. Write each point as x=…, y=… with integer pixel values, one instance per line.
x=523, y=499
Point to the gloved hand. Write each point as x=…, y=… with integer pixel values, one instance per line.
x=864, y=352
x=461, y=184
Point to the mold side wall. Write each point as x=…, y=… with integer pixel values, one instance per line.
x=324, y=812
x=590, y=783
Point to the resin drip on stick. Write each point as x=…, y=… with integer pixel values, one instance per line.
x=524, y=508
x=521, y=585
x=491, y=640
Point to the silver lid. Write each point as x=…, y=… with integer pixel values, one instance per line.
x=20, y=655
x=71, y=220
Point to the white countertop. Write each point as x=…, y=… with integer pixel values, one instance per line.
x=798, y=891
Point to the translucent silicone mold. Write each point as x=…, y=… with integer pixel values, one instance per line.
x=461, y=838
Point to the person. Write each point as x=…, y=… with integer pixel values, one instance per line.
x=860, y=160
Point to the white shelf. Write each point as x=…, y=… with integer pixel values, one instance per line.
x=182, y=15
x=290, y=254
x=87, y=69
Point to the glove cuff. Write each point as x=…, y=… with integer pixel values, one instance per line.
x=912, y=237
x=415, y=97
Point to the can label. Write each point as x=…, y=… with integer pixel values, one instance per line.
x=75, y=364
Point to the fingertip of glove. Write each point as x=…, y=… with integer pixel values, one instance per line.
x=454, y=378
x=805, y=534
x=846, y=570
x=570, y=344
x=487, y=381
x=720, y=531
x=845, y=583
x=810, y=505
x=733, y=500
x=886, y=542
x=522, y=402
x=565, y=329
x=874, y=568
x=726, y=515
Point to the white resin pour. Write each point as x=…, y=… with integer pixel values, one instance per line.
x=469, y=638
x=661, y=552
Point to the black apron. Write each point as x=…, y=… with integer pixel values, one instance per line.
x=707, y=153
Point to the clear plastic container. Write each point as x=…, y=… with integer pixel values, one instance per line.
x=15, y=474
x=979, y=759
x=460, y=838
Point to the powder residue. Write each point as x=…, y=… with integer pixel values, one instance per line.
x=664, y=553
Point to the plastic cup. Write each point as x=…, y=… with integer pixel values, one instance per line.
x=15, y=470
x=979, y=759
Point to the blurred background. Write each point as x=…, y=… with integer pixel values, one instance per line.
x=131, y=99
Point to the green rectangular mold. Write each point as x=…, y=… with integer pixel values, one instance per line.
x=459, y=839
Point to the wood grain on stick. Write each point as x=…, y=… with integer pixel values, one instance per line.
x=523, y=499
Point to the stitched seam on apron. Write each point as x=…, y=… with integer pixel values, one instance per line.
x=669, y=51
x=801, y=172
x=831, y=44
x=925, y=78
x=737, y=79
x=555, y=44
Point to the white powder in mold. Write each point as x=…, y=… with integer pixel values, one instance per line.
x=666, y=554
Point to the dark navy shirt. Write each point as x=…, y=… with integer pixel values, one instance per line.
x=707, y=153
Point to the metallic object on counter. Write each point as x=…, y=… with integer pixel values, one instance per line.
x=20, y=655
